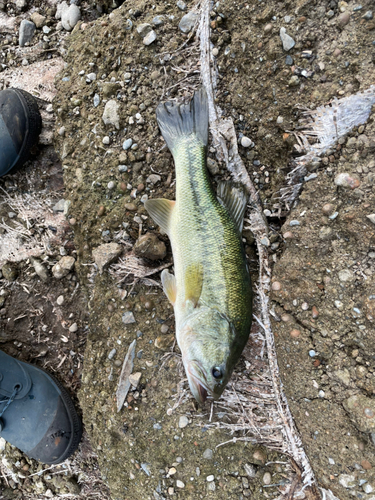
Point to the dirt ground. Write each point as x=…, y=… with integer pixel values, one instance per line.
x=161, y=444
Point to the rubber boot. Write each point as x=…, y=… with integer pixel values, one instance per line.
x=20, y=126
x=36, y=413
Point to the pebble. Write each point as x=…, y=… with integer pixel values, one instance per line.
x=295, y=333
x=215, y=52
x=208, y=454
x=181, y=5
x=267, y=478
x=312, y=353
x=371, y=217
x=328, y=208
x=211, y=486
x=339, y=305
x=128, y=318
x=294, y=81
x=347, y=480
x=183, y=422
x=27, y=30
x=105, y=254
x=111, y=114
x=289, y=60
x=180, y=484
x=188, y=21
x=127, y=144
x=153, y=179
x=367, y=488
x=149, y=246
x=210, y=478
x=91, y=77
x=112, y=354
x=144, y=29
x=276, y=286
x=38, y=19
x=246, y=142
x=158, y=21
x=106, y=140
x=63, y=267
x=267, y=28
x=347, y=180
x=343, y=19
x=149, y=38
x=346, y=275
x=294, y=223
x=361, y=410
x=73, y=328
x=60, y=300
x=368, y=15
x=70, y=17
x=111, y=185
x=287, y=40
x=164, y=328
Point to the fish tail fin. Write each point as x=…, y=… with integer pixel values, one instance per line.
x=183, y=120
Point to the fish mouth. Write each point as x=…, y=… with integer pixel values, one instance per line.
x=197, y=386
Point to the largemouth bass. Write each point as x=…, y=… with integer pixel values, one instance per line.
x=211, y=288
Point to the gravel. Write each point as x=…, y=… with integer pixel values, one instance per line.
x=27, y=30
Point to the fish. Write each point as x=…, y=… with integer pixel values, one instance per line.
x=210, y=289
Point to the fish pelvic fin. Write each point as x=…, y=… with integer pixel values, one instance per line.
x=234, y=199
x=183, y=120
x=169, y=286
x=193, y=283
x=160, y=210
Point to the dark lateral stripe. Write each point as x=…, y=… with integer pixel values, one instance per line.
x=8, y=153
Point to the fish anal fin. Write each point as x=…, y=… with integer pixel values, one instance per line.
x=234, y=199
x=169, y=286
x=160, y=210
x=193, y=283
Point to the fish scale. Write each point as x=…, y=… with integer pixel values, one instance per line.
x=212, y=294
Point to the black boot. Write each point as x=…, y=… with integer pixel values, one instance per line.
x=36, y=413
x=20, y=126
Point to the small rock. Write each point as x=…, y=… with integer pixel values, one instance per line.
x=106, y=140
x=181, y=5
x=246, y=142
x=294, y=223
x=188, y=21
x=111, y=114
x=343, y=19
x=158, y=21
x=127, y=144
x=260, y=457
x=111, y=185
x=128, y=318
x=212, y=166
x=131, y=207
x=40, y=270
x=371, y=217
x=345, y=180
x=183, y=422
x=144, y=29
x=38, y=19
x=250, y=470
x=164, y=328
x=328, y=208
x=27, y=30
x=63, y=267
x=70, y=17
x=134, y=379
x=342, y=376
x=73, y=328
x=104, y=255
x=60, y=300
x=180, y=484
x=149, y=38
x=288, y=42
x=112, y=354
x=10, y=271
x=215, y=52
x=150, y=247
x=346, y=275
x=208, y=454
x=367, y=488
x=153, y=179
x=210, y=478
x=267, y=478
x=347, y=481
x=368, y=15
x=294, y=81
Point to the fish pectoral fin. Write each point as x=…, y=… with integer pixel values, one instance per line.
x=160, y=210
x=193, y=283
x=234, y=199
x=169, y=286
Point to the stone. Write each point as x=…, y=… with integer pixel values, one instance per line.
x=287, y=40
x=110, y=89
x=210, y=478
x=38, y=19
x=128, y=318
x=153, y=179
x=144, y=29
x=134, y=379
x=40, y=270
x=27, y=30
x=208, y=454
x=60, y=9
x=127, y=144
x=342, y=376
x=10, y=271
x=183, y=421
x=150, y=247
x=212, y=166
x=59, y=206
x=181, y=5
x=346, y=180
x=188, y=21
x=111, y=114
x=180, y=484
x=149, y=38
x=60, y=300
x=347, y=481
x=70, y=17
x=63, y=267
x=158, y=21
x=371, y=217
x=361, y=410
x=294, y=81
x=267, y=478
x=343, y=19
x=105, y=254
x=346, y=275
x=246, y=142
x=73, y=328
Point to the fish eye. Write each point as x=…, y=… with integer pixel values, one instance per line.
x=217, y=372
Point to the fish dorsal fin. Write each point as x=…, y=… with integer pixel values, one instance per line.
x=234, y=199
x=160, y=210
x=193, y=283
x=169, y=286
